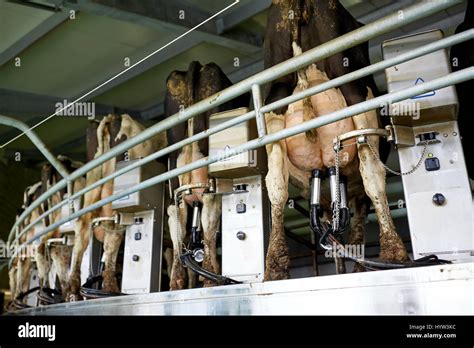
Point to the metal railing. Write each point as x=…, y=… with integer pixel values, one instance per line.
x=253, y=84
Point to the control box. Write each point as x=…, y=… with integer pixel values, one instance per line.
x=243, y=164
x=141, y=200
x=245, y=230
x=438, y=194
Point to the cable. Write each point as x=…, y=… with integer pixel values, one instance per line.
x=17, y=304
x=188, y=261
x=90, y=293
x=428, y=260
x=48, y=296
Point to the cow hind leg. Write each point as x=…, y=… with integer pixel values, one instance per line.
x=12, y=279
x=373, y=177
x=61, y=257
x=42, y=264
x=277, y=261
x=177, y=226
x=210, y=216
x=112, y=241
x=81, y=241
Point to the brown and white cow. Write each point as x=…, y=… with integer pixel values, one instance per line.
x=19, y=272
x=44, y=255
x=185, y=88
x=112, y=130
x=59, y=254
x=295, y=26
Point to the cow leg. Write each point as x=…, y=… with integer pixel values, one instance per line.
x=356, y=236
x=277, y=261
x=112, y=241
x=61, y=257
x=177, y=225
x=42, y=264
x=23, y=276
x=373, y=176
x=210, y=217
x=12, y=279
x=82, y=232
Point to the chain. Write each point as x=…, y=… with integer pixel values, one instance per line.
x=335, y=208
x=425, y=147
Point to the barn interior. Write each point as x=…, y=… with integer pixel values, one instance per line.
x=48, y=57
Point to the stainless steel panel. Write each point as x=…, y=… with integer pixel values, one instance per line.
x=445, y=230
x=91, y=259
x=244, y=164
x=440, y=105
x=31, y=299
x=435, y=290
x=65, y=212
x=142, y=254
x=244, y=259
x=141, y=200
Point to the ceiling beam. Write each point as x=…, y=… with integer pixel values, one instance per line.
x=240, y=13
x=33, y=108
x=33, y=35
x=162, y=16
x=181, y=46
x=140, y=13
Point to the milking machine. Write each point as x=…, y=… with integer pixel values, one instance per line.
x=425, y=133
x=341, y=216
x=245, y=208
x=142, y=215
x=139, y=216
x=438, y=195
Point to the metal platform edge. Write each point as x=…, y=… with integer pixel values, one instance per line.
x=433, y=290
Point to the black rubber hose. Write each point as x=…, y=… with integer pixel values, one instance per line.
x=344, y=220
x=49, y=296
x=16, y=303
x=188, y=261
x=90, y=293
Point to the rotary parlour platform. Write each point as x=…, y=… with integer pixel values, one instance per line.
x=434, y=290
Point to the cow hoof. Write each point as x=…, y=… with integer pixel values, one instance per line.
x=110, y=282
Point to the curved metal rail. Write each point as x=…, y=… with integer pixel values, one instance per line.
x=354, y=38
x=11, y=122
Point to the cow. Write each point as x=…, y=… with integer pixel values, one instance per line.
x=185, y=88
x=60, y=254
x=21, y=267
x=101, y=137
x=44, y=255
x=295, y=26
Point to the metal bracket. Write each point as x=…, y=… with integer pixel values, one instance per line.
x=401, y=136
x=361, y=135
x=96, y=222
x=186, y=190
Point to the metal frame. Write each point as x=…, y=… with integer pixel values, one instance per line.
x=343, y=42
